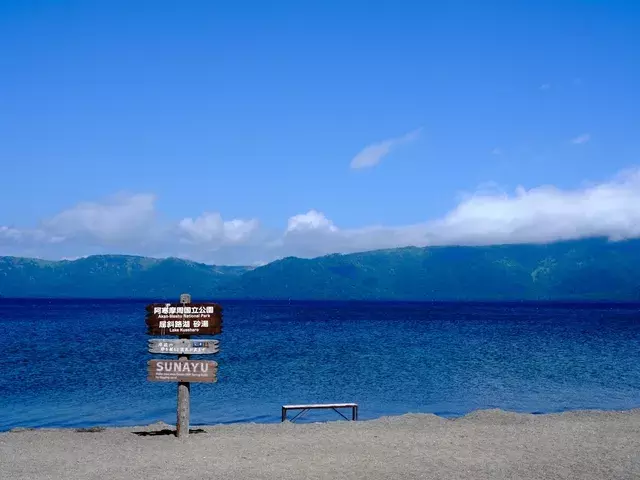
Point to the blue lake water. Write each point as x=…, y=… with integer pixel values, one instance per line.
x=77, y=363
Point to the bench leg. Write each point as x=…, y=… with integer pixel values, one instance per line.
x=284, y=414
x=354, y=414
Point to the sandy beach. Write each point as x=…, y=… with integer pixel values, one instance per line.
x=490, y=444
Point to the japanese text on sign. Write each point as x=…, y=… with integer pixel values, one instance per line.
x=167, y=313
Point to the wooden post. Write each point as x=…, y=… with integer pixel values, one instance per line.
x=184, y=391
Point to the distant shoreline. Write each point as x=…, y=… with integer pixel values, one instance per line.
x=280, y=301
x=484, y=413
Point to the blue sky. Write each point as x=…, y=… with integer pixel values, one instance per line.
x=236, y=132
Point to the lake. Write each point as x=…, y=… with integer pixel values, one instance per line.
x=75, y=363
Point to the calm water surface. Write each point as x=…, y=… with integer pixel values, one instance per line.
x=79, y=363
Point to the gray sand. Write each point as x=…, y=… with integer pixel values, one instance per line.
x=483, y=445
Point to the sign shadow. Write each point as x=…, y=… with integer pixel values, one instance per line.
x=166, y=431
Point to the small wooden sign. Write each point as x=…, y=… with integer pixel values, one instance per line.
x=183, y=346
x=178, y=319
x=182, y=371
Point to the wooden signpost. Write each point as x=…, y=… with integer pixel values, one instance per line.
x=183, y=319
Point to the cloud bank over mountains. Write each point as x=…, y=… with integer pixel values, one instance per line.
x=131, y=224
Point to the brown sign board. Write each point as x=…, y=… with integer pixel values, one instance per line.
x=183, y=346
x=178, y=319
x=177, y=311
x=185, y=327
x=182, y=371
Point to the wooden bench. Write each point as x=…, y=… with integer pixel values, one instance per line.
x=332, y=406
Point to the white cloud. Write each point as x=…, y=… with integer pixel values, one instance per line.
x=9, y=233
x=373, y=154
x=311, y=221
x=210, y=229
x=327, y=238
x=545, y=214
x=128, y=224
x=119, y=218
x=496, y=151
x=580, y=139
x=545, y=86
x=489, y=215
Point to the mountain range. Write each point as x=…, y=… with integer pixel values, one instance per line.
x=591, y=269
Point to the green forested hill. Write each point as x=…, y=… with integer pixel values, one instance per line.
x=588, y=269
x=111, y=276
x=577, y=270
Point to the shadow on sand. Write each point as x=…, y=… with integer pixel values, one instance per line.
x=166, y=431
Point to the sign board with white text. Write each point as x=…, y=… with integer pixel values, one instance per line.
x=179, y=319
x=182, y=371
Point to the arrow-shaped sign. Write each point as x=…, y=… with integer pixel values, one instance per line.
x=183, y=346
